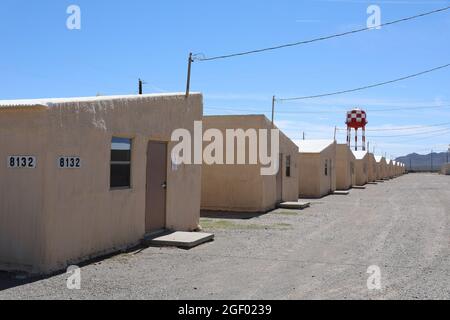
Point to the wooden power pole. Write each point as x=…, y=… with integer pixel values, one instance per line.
x=140, y=86
x=188, y=82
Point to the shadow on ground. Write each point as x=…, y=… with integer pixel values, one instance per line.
x=232, y=215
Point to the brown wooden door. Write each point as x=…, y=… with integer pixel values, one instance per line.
x=155, y=212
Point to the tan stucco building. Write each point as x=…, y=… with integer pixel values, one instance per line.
x=361, y=167
x=345, y=167
x=242, y=187
x=445, y=170
x=381, y=167
x=396, y=168
x=84, y=177
x=372, y=168
x=389, y=169
x=317, y=168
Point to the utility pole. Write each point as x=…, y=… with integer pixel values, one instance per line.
x=140, y=86
x=410, y=164
x=303, y=135
x=368, y=146
x=273, y=109
x=335, y=131
x=188, y=82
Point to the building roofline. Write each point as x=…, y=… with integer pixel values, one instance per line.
x=46, y=103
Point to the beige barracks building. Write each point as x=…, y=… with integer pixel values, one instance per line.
x=361, y=167
x=242, y=187
x=317, y=168
x=381, y=167
x=345, y=167
x=84, y=177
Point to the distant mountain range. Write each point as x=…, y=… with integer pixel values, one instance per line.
x=429, y=162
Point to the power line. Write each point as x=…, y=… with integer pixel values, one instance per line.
x=201, y=58
x=326, y=111
x=424, y=138
x=367, y=87
x=412, y=134
x=403, y=128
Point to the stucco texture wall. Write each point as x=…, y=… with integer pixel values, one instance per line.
x=362, y=171
x=345, y=160
x=313, y=183
x=241, y=187
x=372, y=170
x=53, y=217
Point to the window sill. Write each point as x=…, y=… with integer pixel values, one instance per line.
x=120, y=188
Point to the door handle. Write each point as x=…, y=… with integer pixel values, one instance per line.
x=164, y=185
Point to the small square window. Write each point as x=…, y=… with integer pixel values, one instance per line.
x=120, y=163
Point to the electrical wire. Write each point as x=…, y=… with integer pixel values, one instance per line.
x=201, y=58
x=403, y=128
x=410, y=134
x=367, y=87
x=424, y=138
x=343, y=111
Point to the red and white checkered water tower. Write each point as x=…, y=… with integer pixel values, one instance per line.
x=356, y=119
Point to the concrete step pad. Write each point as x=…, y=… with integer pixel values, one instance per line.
x=179, y=239
x=342, y=192
x=294, y=205
x=359, y=187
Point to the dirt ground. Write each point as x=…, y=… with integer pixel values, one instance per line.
x=323, y=252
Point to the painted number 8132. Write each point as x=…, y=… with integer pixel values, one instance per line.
x=69, y=162
x=21, y=162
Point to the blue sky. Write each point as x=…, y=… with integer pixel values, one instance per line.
x=120, y=41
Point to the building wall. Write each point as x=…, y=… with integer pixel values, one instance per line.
x=73, y=212
x=22, y=223
x=344, y=162
x=372, y=170
x=389, y=170
x=328, y=183
x=379, y=170
x=362, y=171
x=242, y=187
x=445, y=169
x=313, y=183
x=386, y=171
x=289, y=184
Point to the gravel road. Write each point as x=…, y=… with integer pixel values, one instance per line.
x=323, y=252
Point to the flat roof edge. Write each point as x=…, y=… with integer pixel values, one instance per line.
x=48, y=102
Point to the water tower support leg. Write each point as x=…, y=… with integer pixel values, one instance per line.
x=364, y=139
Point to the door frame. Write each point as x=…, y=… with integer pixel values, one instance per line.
x=147, y=180
x=281, y=173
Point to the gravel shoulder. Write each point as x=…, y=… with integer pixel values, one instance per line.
x=322, y=252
